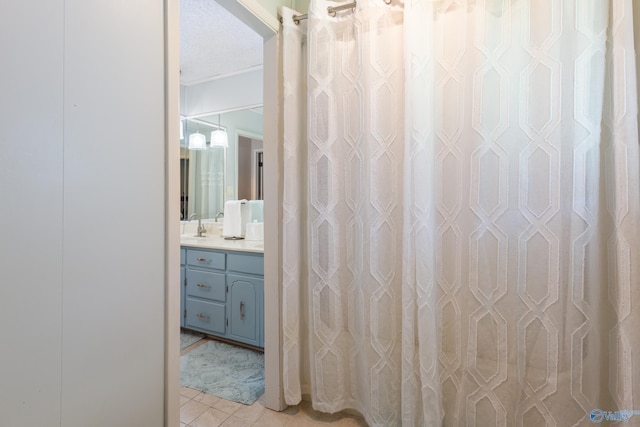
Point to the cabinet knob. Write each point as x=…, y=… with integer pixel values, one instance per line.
x=202, y=316
x=200, y=285
x=241, y=309
x=201, y=259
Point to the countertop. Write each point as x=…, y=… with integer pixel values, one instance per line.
x=219, y=242
x=213, y=238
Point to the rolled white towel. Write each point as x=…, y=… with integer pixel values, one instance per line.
x=232, y=225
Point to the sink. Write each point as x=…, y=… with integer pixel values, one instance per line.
x=193, y=239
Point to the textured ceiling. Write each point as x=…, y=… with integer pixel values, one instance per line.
x=214, y=43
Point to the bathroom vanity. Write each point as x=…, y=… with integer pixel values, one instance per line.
x=222, y=288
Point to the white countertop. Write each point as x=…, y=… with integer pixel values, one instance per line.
x=213, y=239
x=219, y=242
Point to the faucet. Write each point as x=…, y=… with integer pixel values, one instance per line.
x=201, y=229
x=218, y=215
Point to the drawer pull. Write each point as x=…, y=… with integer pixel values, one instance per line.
x=241, y=310
x=201, y=259
x=200, y=285
x=202, y=316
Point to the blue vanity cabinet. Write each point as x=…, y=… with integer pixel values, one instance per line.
x=245, y=278
x=245, y=309
x=224, y=294
x=183, y=283
x=206, y=291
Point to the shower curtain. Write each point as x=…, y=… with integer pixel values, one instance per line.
x=206, y=182
x=461, y=236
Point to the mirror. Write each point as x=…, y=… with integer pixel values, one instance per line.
x=210, y=177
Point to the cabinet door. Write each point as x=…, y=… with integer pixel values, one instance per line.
x=183, y=283
x=183, y=295
x=245, y=308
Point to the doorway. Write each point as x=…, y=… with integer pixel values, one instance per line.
x=258, y=174
x=250, y=163
x=273, y=399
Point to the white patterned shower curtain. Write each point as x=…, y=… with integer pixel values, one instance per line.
x=461, y=219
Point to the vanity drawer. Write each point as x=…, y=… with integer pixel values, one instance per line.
x=206, y=284
x=246, y=263
x=206, y=259
x=206, y=315
x=183, y=256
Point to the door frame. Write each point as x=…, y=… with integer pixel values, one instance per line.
x=274, y=396
x=240, y=133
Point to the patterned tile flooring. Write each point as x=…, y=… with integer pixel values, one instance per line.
x=198, y=409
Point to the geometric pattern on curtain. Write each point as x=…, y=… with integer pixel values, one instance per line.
x=461, y=218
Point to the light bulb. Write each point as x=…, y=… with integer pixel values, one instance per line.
x=197, y=141
x=219, y=138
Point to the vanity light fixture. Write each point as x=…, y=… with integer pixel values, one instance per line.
x=197, y=141
x=219, y=137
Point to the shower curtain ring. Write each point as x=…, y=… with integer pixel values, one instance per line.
x=331, y=10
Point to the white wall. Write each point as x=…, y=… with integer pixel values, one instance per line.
x=231, y=93
x=82, y=262
x=31, y=212
x=301, y=6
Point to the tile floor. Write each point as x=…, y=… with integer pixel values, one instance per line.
x=198, y=409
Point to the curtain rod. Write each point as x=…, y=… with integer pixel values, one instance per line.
x=298, y=18
x=331, y=10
